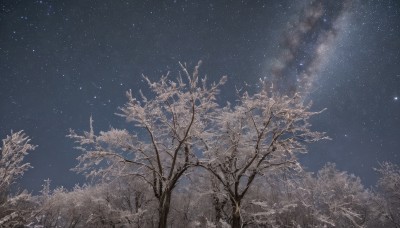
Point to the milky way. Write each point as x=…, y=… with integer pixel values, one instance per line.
x=305, y=43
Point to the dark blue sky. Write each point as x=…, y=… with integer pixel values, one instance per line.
x=62, y=61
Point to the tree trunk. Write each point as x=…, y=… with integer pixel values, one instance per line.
x=163, y=209
x=218, y=216
x=218, y=206
x=236, y=219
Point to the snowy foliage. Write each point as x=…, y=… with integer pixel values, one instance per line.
x=260, y=134
x=120, y=203
x=17, y=210
x=389, y=184
x=184, y=127
x=14, y=209
x=174, y=122
x=330, y=199
x=13, y=152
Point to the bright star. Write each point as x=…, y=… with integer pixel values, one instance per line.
x=396, y=98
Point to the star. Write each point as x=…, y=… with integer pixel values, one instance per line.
x=396, y=98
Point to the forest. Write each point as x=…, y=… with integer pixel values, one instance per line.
x=185, y=160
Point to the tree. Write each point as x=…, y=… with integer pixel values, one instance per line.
x=341, y=198
x=121, y=203
x=15, y=148
x=169, y=130
x=13, y=152
x=199, y=202
x=261, y=133
x=329, y=199
x=389, y=184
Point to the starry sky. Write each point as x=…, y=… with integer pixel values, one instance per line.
x=63, y=61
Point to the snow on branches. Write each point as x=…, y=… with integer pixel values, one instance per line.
x=15, y=147
x=182, y=126
x=262, y=132
x=171, y=127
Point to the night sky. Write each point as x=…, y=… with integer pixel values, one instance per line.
x=63, y=61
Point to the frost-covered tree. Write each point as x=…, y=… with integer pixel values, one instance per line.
x=17, y=210
x=169, y=126
x=15, y=147
x=13, y=210
x=341, y=198
x=389, y=186
x=259, y=134
x=121, y=203
x=330, y=199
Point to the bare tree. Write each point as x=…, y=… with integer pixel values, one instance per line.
x=260, y=133
x=169, y=128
